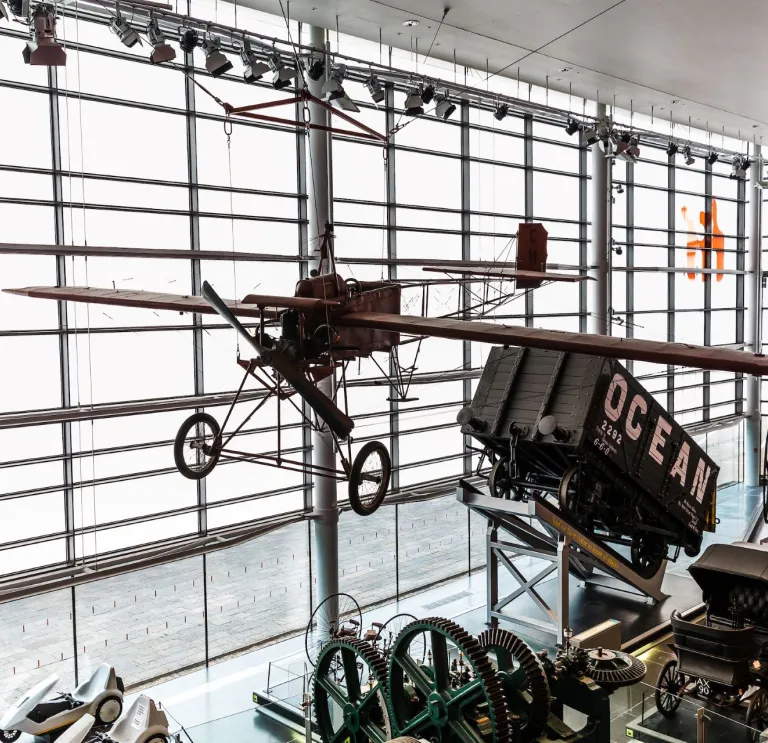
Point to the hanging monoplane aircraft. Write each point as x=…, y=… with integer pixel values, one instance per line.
x=331, y=321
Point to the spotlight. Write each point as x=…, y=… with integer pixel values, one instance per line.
x=188, y=40
x=688, y=157
x=627, y=148
x=215, y=61
x=501, y=112
x=333, y=90
x=591, y=136
x=413, y=103
x=254, y=67
x=444, y=108
x=672, y=149
x=4, y=11
x=281, y=75
x=43, y=49
x=315, y=66
x=428, y=93
x=572, y=127
x=739, y=167
x=712, y=158
x=126, y=34
x=619, y=188
x=374, y=88
x=161, y=50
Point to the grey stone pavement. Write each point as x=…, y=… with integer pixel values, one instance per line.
x=151, y=623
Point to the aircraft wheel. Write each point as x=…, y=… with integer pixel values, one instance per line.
x=195, y=450
x=648, y=554
x=369, y=478
x=108, y=710
x=8, y=736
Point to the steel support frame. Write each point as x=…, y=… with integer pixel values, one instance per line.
x=583, y=238
x=707, y=278
x=599, y=321
x=498, y=552
x=529, y=205
x=671, y=276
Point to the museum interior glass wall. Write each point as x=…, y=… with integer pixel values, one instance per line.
x=112, y=151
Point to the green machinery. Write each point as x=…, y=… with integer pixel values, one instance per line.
x=436, y=682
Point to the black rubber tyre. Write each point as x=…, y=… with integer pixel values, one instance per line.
x=648, y=555
x=498, y=479
x=757, y=715
x=363, y=498
x=158, y=739
x=105, y=712
x=210, y=444
x=668, y=687
x=8, y=736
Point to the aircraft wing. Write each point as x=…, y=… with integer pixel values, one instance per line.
x=658, y=352
x=158, y=301
x=509, y=273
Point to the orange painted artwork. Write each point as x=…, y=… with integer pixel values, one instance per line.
x=697, y=243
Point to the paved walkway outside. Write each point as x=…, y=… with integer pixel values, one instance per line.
x=151, y=623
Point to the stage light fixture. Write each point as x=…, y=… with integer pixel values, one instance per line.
x=333, y=90
x=254, y=68
x=413, y=103
x=591, y=136
x=162, y=51
x=627, y=148
x=501, y=112
x=572, y=127
x=124, y=31
x=315, y=66
x=216, y=62
x=188, y=40
x=444, y=108
x=428, y=93
x=687, y=156
x=373, y=84
x=712, y=158
x=282, y=76
x=671, y=149
x=43, y=49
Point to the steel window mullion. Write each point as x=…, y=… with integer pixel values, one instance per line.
x=671, y=276
x=528, y=159
x=466, y=254
x=707, y=278
x=195, y=267
x=630, y=275
x=741, y=221
x=583, y=238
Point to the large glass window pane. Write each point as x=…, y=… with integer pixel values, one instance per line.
x=147, y=624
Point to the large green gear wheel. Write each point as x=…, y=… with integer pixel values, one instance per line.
x=475, y=712
x=525, y=684
x=344, y=709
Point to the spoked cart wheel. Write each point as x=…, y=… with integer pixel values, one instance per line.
x=196, y=449
x=757, y=715
x=669, y=689
x=499, y=480
x=388, y=632
x=369, y=478
x=336, y=618
x=648, y=552
x=569, y=495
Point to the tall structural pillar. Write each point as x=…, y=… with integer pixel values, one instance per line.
x=753, y=303
x=599, y=290
x=325, y=511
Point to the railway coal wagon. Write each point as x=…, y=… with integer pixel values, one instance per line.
x=581, y=429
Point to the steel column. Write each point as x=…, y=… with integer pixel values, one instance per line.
x=466, y=254
x=325, y=510
x=599, y=264
x=707, y=263
x=529, y=205
x=671, y=237
x=753, y=316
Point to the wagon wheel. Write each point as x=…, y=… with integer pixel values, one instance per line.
x=350, y=693
x=570, y=494
x=499, y=480
x=669, y=688
x=336, y=618
x=757, y=714
x=369, y=478
x=436, y=703
x=648, y=554
x=523, y=678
